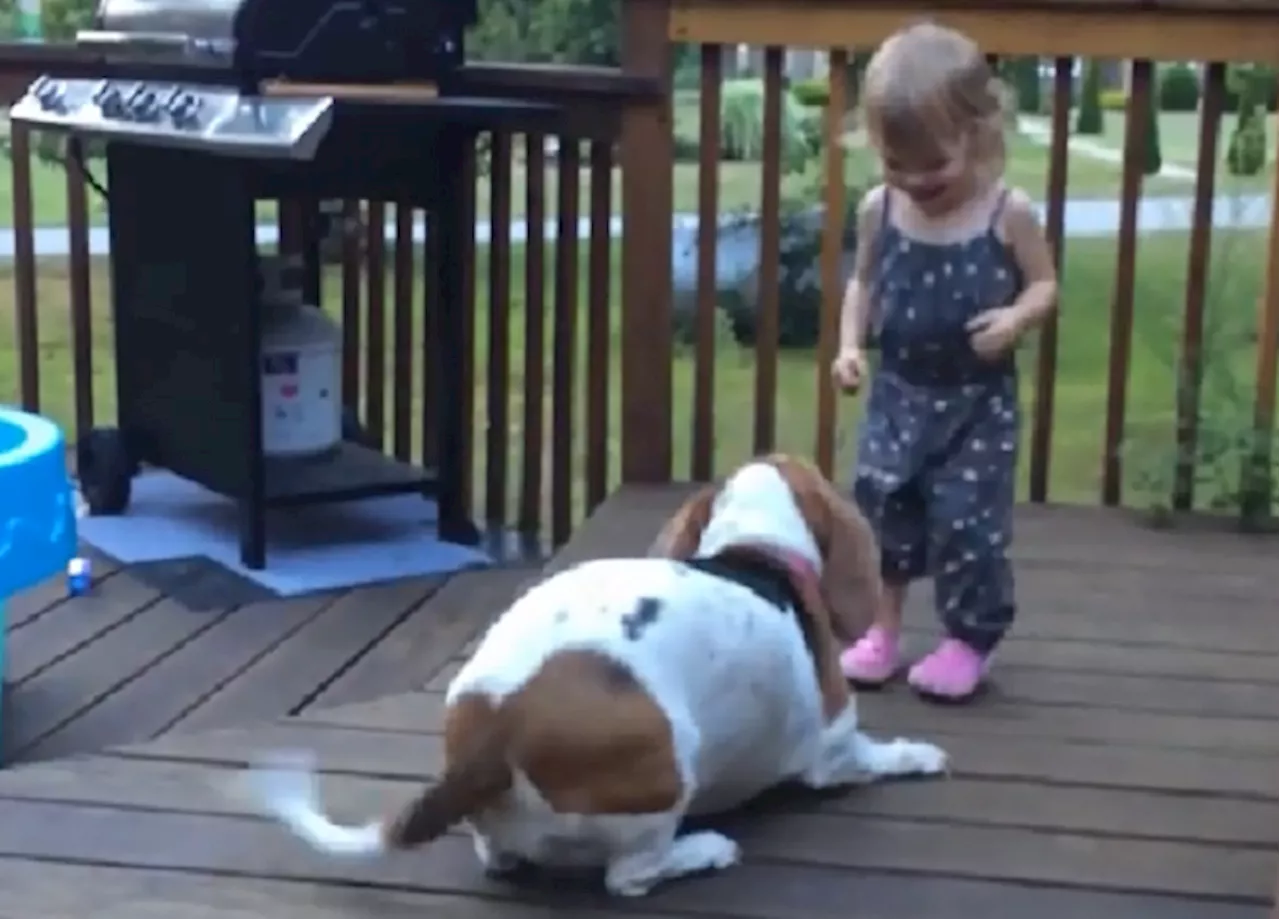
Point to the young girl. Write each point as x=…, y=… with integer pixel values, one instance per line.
x=953, y=272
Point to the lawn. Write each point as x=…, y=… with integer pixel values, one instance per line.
x=1081, y=387
x=1180, y=139
x=739, y=181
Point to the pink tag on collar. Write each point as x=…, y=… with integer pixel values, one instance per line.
x=800, y=568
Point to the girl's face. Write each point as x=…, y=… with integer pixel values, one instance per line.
x=936, y=180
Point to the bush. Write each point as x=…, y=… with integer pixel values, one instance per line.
x=1025, y=76
x=742, y=125
x=1254, y=81
x=1089, y=115
x=685, y=148
x=1152, y=161
x=812, y=93
x=738, y=269
x=1179, y=88
x=799, y=279
x=1247, y=149
x=1113, y=100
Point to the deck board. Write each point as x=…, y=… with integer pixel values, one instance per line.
x=124, y=664
x=1122, y=764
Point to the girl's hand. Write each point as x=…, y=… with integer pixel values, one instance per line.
x=849, y=369
x=994, y=333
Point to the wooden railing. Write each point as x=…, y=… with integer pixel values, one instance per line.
x=1059, y=34
x=578, y=381
x=541, y=324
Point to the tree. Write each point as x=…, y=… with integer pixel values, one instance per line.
x=62, y=19
x=578, y=31
x=547, y=31
x=1089, y=116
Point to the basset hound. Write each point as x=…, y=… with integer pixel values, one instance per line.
x=618, y=696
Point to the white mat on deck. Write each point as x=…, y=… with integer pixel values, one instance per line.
x=320, y=547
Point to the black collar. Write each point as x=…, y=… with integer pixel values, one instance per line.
x=766, y=578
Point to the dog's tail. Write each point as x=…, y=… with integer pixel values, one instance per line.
x=472, y=781
x=285, y=788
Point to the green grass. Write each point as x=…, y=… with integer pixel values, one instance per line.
x=1081, y=385
x=1179, y=145
x=740, y=182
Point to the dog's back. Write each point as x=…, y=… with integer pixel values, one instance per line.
x=591, y=657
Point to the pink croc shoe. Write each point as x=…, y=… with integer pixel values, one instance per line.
x=873, y=659
x=952, y=673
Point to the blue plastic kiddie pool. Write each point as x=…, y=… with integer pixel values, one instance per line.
x=37, y=511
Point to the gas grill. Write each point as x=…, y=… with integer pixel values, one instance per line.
x=205, y=108
x=202, y=73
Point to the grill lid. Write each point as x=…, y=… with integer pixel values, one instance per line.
x=333, y=41
x=210, y=19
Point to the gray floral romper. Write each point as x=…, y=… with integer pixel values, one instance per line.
x=937, y=448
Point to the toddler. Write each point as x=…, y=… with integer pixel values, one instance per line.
x=952, y=268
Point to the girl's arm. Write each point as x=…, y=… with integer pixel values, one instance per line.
x=1025, y=238
x=856, y=308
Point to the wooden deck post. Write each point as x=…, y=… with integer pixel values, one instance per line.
x=646, y=157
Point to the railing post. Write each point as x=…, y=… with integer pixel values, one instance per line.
x=646, y=157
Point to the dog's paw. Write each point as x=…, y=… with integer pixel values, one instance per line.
x=919, y=758
x=693, y=853
x=708, y=851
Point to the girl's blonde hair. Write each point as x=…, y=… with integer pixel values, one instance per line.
x=928, y=88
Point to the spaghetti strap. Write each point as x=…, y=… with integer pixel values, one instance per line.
x=998, y=210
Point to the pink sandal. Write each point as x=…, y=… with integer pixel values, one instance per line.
x=952, y=673
x=873, y=659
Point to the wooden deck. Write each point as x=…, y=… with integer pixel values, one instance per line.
x=1123, y=764
x=126, y=664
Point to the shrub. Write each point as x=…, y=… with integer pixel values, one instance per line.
x=1113, y=100
x=684, y=147
x=812, y=93
x=1179, y=88
x=742, y=125
x=1247, y=149
x=1025, y=76
x=1257, y=81
x=799, y=278
x=1089, y=115
x=1152, y=160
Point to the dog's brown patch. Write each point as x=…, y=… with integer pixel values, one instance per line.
x=583, y=730
x=592, y=740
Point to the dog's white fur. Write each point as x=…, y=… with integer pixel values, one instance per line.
x=733, y=676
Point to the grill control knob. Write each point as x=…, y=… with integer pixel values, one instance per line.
x=184, y=110
x=51, y=94
x=145, y=106
x=111, y=102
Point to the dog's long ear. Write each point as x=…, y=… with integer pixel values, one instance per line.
x=680, y=537
x=851, y=583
